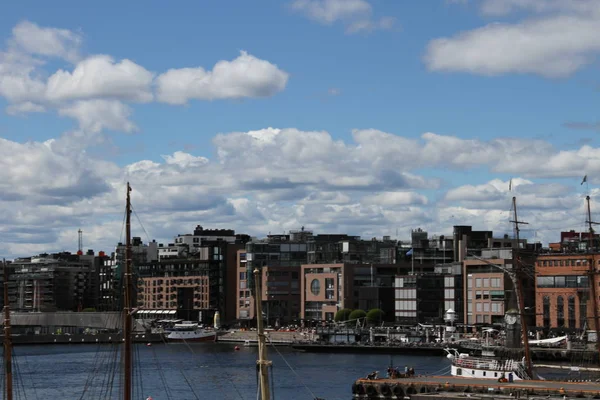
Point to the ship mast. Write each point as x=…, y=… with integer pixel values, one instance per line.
x=519, y=290
x=592, y=272
x=127, y=302
x=262, y=363
x=7, y=338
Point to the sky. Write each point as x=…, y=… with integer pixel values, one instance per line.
x=366, y=117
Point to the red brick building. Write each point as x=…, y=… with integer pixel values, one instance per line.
x=563, y=298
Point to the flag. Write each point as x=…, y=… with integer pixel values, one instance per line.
x=409, y=253
x=510, y=185
x=584, y=180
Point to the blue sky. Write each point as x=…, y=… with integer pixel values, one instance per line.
x=501, y=89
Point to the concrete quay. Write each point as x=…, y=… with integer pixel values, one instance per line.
x=448, y=387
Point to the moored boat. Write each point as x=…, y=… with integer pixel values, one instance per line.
x=190, y=332
x=464, y=365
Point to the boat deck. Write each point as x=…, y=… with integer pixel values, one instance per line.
x=454, y=383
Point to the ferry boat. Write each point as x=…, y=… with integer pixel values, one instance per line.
x=467, y=366
x=190, y=332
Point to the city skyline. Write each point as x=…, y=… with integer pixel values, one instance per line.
x=354, y=116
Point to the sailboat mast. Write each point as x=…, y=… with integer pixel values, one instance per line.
x=519, y=290
x=592, y=274
x=127, y=302
x=263, y=363
x=7, y=338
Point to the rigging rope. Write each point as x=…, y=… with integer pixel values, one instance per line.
x=26, y=361
x=140, y=222
x=161, y=374
x=291, y=368
x=214, y=378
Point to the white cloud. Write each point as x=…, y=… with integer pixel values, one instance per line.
x=355, y=14
x=278, y=179
x=504, y=7
x=329, y=11
x=392, y=199
x=97, y=115
x=50, y=42
x=24, y=108
x=100, y=77
x=556, y=44
x=184, y=160
x=246, y=76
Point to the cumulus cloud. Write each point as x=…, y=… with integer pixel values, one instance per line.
x=44, y=41
x=101, y=77
x=30, y=86
x=355, y=14
x=563, y=37
x=276, y=179
x=245, y=76
x=24, y=108
x=97, y=115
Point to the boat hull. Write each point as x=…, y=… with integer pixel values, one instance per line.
x=191, y=337
x=470, y=372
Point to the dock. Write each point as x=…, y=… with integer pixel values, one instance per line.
x=449, y=387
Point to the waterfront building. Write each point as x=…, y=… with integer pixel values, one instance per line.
x=489, y=291
x=425, y=297
x=327, y=288
x=54, y=282
x=197, y=282
x=563, y=299
x=278, y=257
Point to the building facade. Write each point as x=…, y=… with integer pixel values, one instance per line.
x=563, y=298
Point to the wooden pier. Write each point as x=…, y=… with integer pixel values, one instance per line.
x=450, y=387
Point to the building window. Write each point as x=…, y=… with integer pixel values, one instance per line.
x=315, y=287
x=571, y=311
x=582, y=311
x=546, y=311
x=560, y=312
x=478, y=282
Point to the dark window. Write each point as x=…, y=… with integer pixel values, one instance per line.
x=545, y=281
x=571, y=311
x=582, y=311
x=315, y=287
x=546, y=313
x=560, y=311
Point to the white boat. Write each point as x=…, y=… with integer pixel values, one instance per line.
x=190, y=332
x=467, y=366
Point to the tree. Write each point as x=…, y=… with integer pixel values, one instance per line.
x=375, y=316
x=342, y=315
x=356, y=314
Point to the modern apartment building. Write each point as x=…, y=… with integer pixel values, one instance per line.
x=199, y=281
x=325, y=289
x=54, y=282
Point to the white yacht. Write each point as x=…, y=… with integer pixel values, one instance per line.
x=467, y=366
x=190, y=332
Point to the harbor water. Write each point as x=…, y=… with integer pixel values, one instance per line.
x=198, y=371
x=204, y=370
